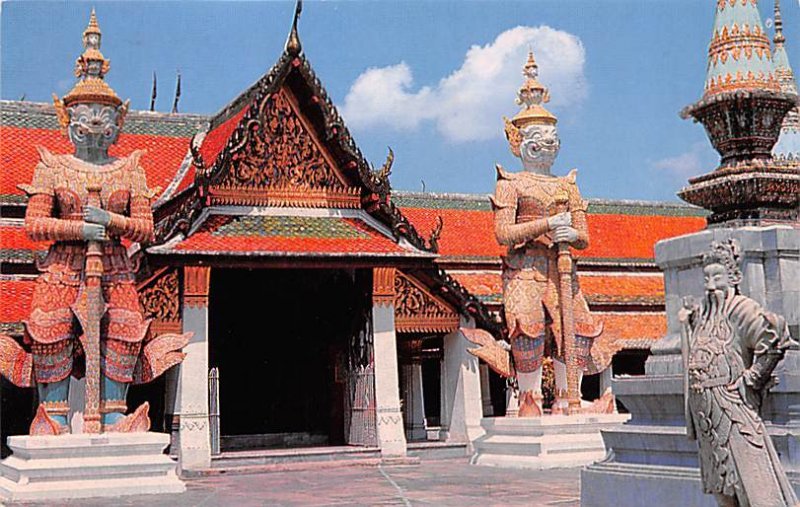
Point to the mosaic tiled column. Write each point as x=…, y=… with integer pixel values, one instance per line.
x=192, y=392
x=461, y=396
x=391, y=437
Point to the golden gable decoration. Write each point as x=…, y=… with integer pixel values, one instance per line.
x=418, y=311
x=281, y=163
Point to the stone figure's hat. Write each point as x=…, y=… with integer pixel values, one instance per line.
x=90, y=69
x=788, y=147
x=530, y=97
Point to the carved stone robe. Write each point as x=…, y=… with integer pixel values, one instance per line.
x=732, y=353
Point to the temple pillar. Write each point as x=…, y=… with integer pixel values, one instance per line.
x=191, y=401
x=414, y=402
x=512, y=403
x=391, y=437
x=171, y=409
x=461, y=393
x=486, y=391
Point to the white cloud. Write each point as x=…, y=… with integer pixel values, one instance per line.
x=697, y=160
x=468, y=104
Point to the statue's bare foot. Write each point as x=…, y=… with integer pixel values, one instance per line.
x=530, y=404
x=43, y=424
x=605, y=404
x=137, y=422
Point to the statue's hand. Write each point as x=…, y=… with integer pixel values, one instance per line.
x=559, y=220
x=94, y=232
x=565, y=234
x=94, y=215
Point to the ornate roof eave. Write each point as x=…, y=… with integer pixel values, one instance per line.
x=448, y=288
x=376, y=190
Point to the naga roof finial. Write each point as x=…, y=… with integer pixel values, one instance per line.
x=293, y=46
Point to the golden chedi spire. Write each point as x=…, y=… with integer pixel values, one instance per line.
x=530, y=97
x=90, y=69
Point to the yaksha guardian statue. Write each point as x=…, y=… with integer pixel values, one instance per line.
x=85, y=315
x=538, y=216
x=732, y=345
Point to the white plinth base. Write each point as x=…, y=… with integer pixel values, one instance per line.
x=83, y=466
x=538, y=443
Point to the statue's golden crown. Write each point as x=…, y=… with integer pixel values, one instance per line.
x=90, y=69
x=531, y=95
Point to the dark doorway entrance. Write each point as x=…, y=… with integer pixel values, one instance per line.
x=280, y=341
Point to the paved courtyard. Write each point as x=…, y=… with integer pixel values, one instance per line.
x=439, y=483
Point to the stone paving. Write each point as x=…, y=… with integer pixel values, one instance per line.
x=434, y=483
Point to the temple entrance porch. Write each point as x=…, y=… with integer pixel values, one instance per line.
x=279, y=339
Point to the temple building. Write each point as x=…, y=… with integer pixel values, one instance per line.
x=325, y=306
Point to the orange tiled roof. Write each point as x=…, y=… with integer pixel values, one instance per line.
x=619, y=230
x=635, y=326
x=599, y=288
x=25, y=125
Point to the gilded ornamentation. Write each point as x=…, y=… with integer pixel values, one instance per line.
x=417, y=310
x=196, y=280
x=383, y=286
x=278, y=162
x=161, y=299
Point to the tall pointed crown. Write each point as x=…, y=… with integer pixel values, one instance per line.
x=530, y=97
x=739, y=56
x=90, y=69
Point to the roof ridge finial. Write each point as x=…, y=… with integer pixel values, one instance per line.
x=293, y=46
x=778, y=38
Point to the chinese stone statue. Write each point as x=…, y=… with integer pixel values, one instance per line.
x=538, y=216
x=85, y=315
x=731, y=346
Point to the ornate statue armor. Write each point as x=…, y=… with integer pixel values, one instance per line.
x=733, y=347
x=530, y=275
x=85, y=314
x=538, y=216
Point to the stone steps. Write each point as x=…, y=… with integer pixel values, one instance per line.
x=237, y=459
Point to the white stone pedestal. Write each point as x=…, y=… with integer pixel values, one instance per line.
x=538, y=443
x=84, y=466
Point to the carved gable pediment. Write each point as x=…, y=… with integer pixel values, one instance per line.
x=279, y=161
x=419, y=311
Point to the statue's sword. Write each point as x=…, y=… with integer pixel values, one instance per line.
x=568, y=345
x=89, y=308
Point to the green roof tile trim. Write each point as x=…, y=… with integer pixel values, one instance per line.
x=641, y=208
x=36, y=115
x=476, y=202
x=480, y=202
x=291, y=227
x=12, y=328
x=13, y=199
x=20, y=256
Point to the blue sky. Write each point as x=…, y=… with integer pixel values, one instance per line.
x=405, y=76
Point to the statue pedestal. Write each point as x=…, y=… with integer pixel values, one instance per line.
x=538, y=443
x=650, y=457
x=84, y=466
